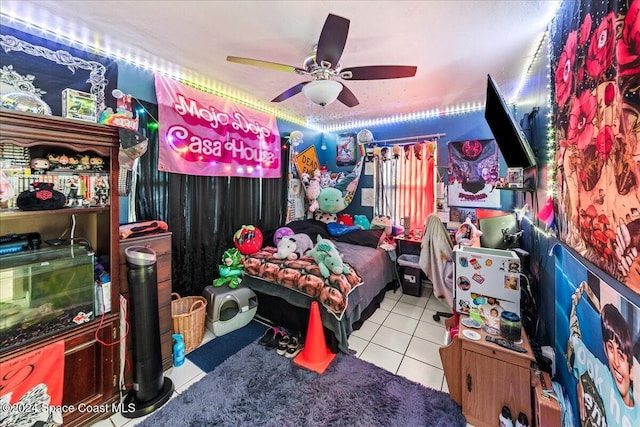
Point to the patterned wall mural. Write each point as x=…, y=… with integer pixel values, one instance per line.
x=595, y=66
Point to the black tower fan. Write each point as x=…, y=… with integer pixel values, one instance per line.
x=151, y=389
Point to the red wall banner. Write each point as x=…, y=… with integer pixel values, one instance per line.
x=31, y=385
x=203, y=134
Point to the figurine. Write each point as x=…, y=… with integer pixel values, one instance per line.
x=54, y=160
x=75, y=191
x=73, y=162
x=63, y=161
x=84, y=162
x=39, y=165
x=101, y=190
x=97, y=163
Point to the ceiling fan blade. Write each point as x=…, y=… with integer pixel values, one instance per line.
x=266, y=64
x=332, y=39
x=347, y=97
x=289, y=92
x=378, y=72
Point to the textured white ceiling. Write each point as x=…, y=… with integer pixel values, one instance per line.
x=454, y=44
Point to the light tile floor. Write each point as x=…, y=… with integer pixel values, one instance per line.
x=401, y=337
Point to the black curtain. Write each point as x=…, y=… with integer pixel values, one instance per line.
x=203, y=212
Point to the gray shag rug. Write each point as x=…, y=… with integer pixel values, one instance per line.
x=257, y=387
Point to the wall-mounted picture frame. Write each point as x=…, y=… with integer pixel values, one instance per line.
x=346, y=149
x=515, y=177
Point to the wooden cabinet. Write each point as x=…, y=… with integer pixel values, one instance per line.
x=91, y=349
x=161, y=244
x=483, y=377
x=94, y=383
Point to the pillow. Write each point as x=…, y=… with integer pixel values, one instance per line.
x=310, y=227
x=368, y=238
x=336, y=229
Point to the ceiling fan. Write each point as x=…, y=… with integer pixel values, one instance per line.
x=324, y=66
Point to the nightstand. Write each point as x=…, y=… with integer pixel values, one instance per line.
x=483, y=377
x=408, y=245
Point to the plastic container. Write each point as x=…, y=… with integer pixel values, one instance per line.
x=178, y=349
x=510, y=326
x=106, y=291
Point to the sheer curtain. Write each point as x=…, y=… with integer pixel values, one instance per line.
x=202, y=212
x=405, y=186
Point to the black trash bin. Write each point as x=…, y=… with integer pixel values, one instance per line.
x=410, y=274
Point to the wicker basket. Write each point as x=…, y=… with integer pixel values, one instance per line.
x=188, y=317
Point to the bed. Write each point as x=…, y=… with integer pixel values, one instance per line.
x=288, y=306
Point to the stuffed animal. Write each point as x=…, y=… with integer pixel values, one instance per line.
x=331, y=200
x=293, y=247
x=280, y=233
x=467, y=233
x=333, y=263
x=345, y=219
x=323, y=251
x=381, y=222
x=362, y=221
x=230, y=269
x=327, y=218
x=313, y=191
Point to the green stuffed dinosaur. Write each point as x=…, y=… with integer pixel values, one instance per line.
x=230, y=269
x=329, y=260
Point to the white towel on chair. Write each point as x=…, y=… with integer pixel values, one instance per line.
x=436, y=258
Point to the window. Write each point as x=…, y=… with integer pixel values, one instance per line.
x=405, y=186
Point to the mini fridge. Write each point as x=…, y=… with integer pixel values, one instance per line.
x=487, y=282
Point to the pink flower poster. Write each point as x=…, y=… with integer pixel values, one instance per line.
x=595, y=64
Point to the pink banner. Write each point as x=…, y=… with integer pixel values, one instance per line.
x=203, y=134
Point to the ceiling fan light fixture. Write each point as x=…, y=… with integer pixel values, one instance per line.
x=322, y=92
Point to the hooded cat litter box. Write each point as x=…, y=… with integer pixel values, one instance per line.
x=229, y=309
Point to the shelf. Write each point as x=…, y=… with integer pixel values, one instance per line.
x=523, y=189
x=17, y=213
x=91, y=356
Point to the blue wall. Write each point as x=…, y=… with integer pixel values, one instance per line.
x=542, y=265
x=459, y=127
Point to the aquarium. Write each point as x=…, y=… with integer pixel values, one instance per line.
x=43, y=292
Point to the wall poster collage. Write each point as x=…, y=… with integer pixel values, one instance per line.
x=473, y=174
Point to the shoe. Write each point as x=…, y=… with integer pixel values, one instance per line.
x=273, y=343
x=522, y=420
x=270, y=335
x=505, y=417
x=283, y=344
x=295, y=346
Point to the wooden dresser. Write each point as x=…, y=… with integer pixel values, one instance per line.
x=161, y=244
x=483, y=377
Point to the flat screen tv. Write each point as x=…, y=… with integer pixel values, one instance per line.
x=511, y=140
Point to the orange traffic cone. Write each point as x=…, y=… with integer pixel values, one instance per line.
x=315, y=355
